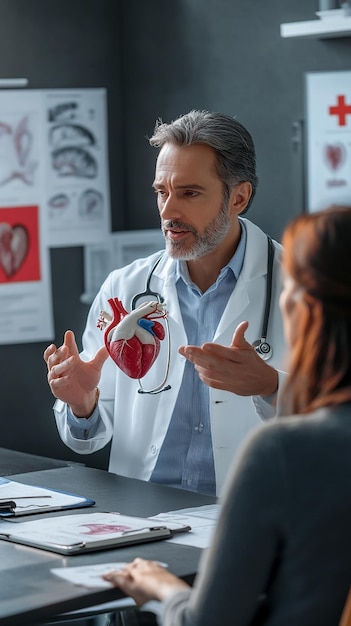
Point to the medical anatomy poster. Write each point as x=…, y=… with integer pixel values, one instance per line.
x=77, y=185
x=53, y=192
x=25, y=281
x=328, y=117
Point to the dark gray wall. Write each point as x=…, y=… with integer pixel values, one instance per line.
x=71, y=43
x=222, y=55
x=156, y=58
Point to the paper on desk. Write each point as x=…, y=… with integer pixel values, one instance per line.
x=31, y=499
x=201, y=519
x=89, y=575
x=85, y=529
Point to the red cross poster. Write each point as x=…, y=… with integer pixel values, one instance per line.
x=328, y=117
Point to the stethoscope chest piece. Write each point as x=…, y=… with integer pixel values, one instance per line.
x=263, y=349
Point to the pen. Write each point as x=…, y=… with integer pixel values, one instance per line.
x=25, y=498
x=144, y=528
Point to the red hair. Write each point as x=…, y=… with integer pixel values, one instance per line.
x=317, y=255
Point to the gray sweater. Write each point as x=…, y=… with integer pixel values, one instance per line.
x=281, y=554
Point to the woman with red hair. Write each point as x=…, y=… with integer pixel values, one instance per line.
x=281, y=554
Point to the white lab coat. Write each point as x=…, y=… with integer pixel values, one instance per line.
x=138, y=422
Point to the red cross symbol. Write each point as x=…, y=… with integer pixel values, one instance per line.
x=341, y=110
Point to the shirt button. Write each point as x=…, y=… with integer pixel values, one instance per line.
x=153, y=449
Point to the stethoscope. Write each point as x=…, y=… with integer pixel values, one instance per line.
x=262, y=347
x=148, y=292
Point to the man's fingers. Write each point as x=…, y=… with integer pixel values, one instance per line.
x=58, y=384
x=58, y=369
x=200, y=356
x=239, y=340
x=70, y=342
x=50, y=350
x=100, y=357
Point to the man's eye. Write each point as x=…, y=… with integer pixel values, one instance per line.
x=160, y=192
x=191, y=193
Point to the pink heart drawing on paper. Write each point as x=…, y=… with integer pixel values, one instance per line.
x=335, y=155
x=14, y=245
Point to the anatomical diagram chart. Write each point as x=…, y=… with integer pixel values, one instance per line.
x=77, y=194
x=53, y=192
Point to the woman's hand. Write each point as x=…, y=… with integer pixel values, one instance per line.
x=145, y=580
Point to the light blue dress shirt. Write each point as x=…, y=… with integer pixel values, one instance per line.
x=186, y=457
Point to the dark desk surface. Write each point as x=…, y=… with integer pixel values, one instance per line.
x=31, y=594
x=16, y=462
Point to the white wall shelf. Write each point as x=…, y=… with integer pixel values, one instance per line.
x=321, y=28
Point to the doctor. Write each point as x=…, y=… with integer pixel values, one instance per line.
x=213, y=277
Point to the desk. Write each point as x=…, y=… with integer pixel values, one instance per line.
x=30, y=594
x=14, y=462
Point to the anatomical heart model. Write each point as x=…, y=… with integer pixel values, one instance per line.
x=133, y=339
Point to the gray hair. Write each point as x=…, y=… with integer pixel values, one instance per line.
x=231, y=141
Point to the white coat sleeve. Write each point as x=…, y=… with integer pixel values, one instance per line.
x=93, y=339
x=87, y=445
x=266, y=407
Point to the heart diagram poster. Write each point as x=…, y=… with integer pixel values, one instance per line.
x=53, y=192
x=328, y=117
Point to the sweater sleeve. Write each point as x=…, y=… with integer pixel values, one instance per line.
x=235, y=571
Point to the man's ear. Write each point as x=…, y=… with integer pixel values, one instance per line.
x=240, y=197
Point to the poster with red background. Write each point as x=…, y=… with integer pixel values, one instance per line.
x=19, y=244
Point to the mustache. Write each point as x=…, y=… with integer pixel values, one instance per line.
x=169, y=224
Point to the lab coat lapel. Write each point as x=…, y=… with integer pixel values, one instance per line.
x=247, y=290
x=237, y=304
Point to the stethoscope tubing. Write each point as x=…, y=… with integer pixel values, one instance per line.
x=148, y=292
x=262, y=347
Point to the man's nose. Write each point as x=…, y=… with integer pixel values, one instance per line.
x=170, y=208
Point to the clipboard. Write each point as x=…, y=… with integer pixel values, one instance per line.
x=89, y=532
x=17, y=499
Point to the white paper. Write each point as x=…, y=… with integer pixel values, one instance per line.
x=31, y=499
x=91, y=575
x=88, y=575
x=328, y=139
x=202, y=521
x=68, y=530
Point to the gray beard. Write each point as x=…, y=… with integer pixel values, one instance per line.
x=205, y=243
